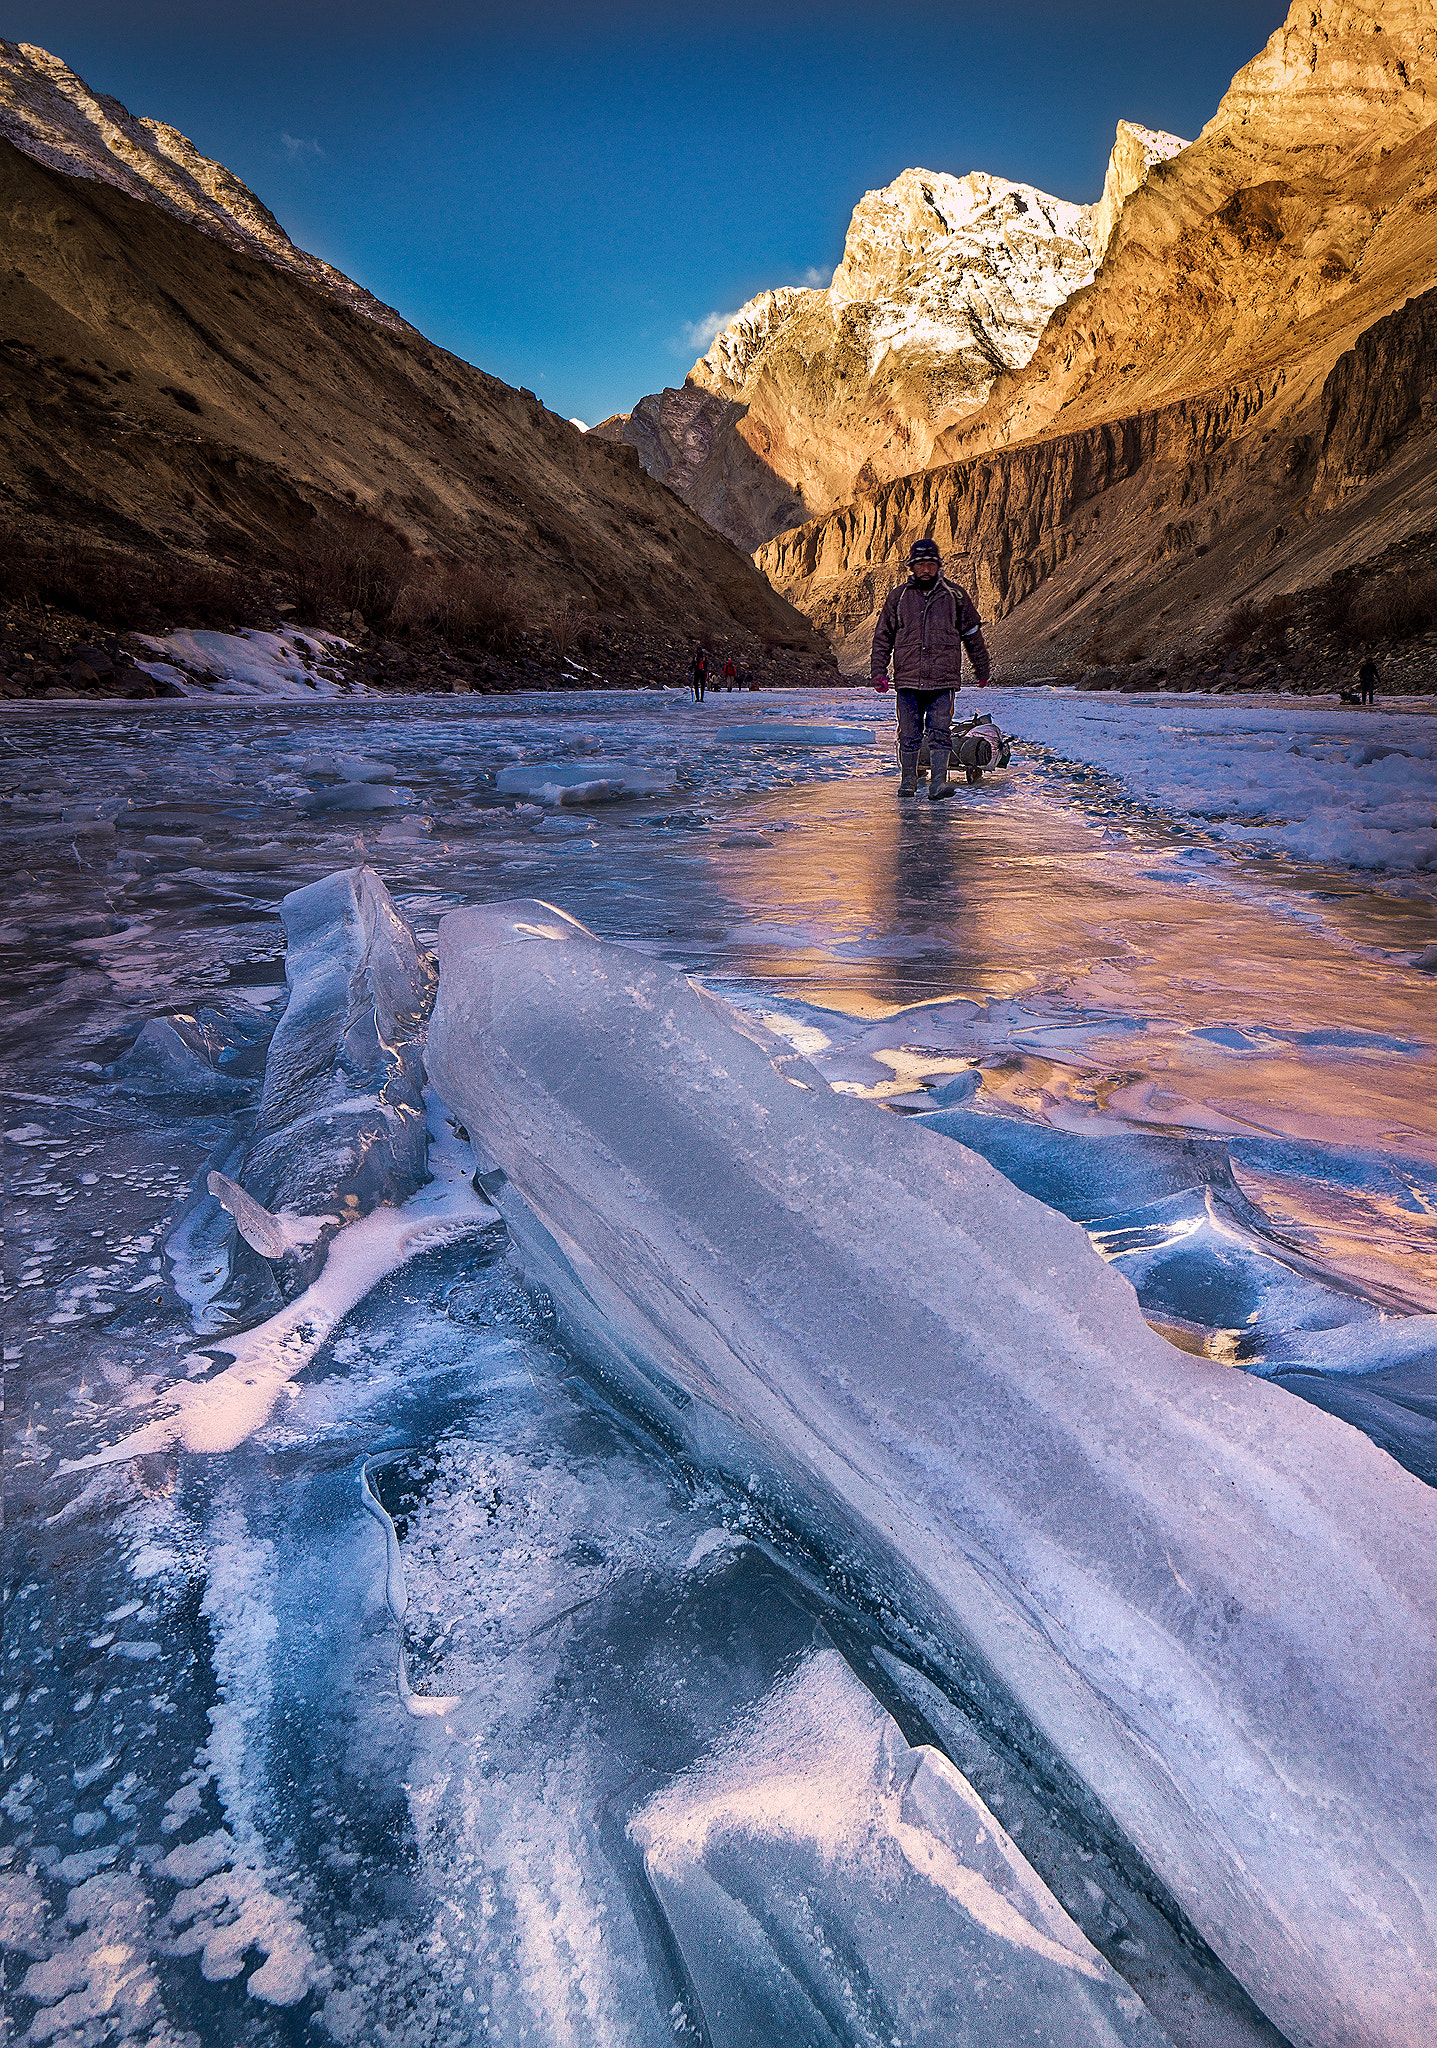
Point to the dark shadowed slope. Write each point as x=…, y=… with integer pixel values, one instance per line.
x=159, y=389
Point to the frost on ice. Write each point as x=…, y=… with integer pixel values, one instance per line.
x=1211, y=1601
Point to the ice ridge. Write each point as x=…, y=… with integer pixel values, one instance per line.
x=340, y=1127
x=1211, y=1600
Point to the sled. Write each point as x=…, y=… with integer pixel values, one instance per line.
x=978, y=747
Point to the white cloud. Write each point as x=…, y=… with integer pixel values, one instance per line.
x=815, y=278
x=699, y=333
x=296, y=146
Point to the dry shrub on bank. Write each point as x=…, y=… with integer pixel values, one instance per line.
x=126, y=592
x=570, y=626
x=1241, y=623
x=462, y=603
x=362, y=569
x=1396, y=607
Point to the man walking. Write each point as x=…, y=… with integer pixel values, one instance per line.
x=924, y=627
x=1367, y=682
x=699, y=674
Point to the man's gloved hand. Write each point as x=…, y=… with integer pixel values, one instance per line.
x=880, y=683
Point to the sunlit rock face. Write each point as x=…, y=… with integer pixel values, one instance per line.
x=53, y=116
x=808, y=395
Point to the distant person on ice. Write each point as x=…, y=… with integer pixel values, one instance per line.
x=1367, y=682
x=924, y=627
x=699, y=674
x=730, y=674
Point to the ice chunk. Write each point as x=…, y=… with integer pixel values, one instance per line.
x=198, y=1056
x=353, y=796
x=1212, y=1601
x=273, y=1237
x=341, y=1122
x=347, y=768
x=819, y=1876
x=957, y=1088
x=341, y=1118
x=588, y=781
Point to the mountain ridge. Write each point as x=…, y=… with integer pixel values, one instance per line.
x=1177, y=430
x=50, y=114
x=945, y=284
x=168, y=391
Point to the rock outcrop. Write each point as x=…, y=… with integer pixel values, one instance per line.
x=1238, y=405
x=169, y=385
x=946, y=283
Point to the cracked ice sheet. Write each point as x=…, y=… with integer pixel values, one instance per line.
x=219, y=1413
x=813, y=1867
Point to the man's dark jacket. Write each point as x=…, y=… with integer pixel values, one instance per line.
x=926, y=631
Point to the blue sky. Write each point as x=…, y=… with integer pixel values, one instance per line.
x=563, y=194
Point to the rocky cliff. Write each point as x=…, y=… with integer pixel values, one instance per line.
x=946, y=283
x=1238, y=405
x=170, y=383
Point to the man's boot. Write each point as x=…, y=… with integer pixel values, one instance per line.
x=908, y=763
x=938, y=783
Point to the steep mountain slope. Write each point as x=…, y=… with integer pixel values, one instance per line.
x=1236, y=407
x=160, y=389
x=945, y=284
x=52, y=115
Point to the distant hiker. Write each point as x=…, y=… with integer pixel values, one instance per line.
x=1367, y=679
x=924, y=627
x=730, y=674
x=699, y=674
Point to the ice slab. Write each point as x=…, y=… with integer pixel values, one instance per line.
x=198, y=1056
x=589, y=781
x=1212, y=1601
x=826, y=1883
x=353, y=796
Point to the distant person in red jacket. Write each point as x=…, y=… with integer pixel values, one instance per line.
x=730, y=674
x=923, y=629
x=699, y=674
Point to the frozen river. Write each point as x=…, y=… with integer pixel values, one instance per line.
x=1173, y=973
